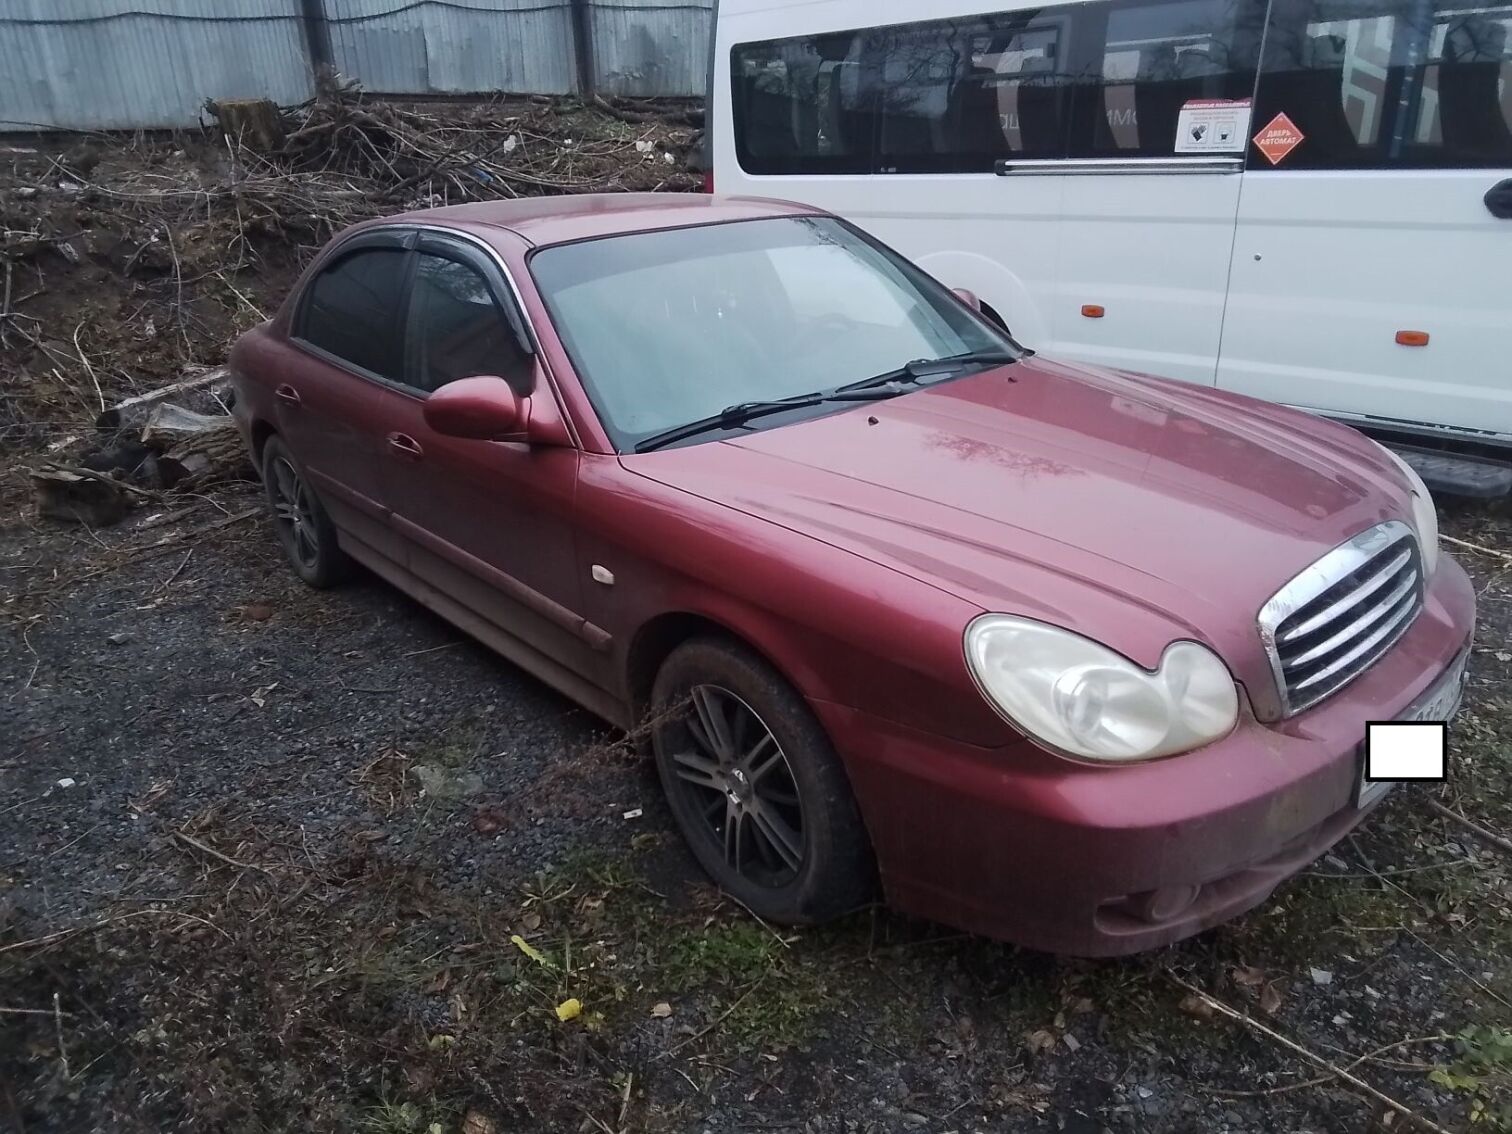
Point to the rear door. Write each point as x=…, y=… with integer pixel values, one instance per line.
x=1152, y=188
x=334, y=407
x=1372, y=275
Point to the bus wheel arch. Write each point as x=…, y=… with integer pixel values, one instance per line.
x=992, y=313
x=1004, y=297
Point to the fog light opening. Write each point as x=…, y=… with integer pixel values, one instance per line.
x=1166, y=903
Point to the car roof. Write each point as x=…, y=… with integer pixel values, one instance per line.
x=582, y=216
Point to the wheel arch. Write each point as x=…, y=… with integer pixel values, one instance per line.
x=655, y=640
x=260, y=433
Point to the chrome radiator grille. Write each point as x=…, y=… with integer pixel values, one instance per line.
x=1329, y=623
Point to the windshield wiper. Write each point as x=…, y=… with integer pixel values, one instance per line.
x=728, y=418
x=732, y=417
x=868, y=389
x=921, y=368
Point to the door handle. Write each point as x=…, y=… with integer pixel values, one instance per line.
x=1499, y=199
x=401, y=445
x=287, y=394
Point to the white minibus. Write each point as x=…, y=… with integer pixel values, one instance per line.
x=1309, y=201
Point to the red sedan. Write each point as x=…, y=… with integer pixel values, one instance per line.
x=1076, y=658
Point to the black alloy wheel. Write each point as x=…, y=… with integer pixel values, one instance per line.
x=753, y=781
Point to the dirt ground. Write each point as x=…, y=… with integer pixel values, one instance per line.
x=274, y=859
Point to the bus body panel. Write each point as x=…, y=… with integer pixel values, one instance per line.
x=1329, y=265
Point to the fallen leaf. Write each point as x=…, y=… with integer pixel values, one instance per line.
x=1072, y=1043
x=1270, y=999
x=568, y=1009
x=1321, y=976
x=488, y=821
x=1248, y=976
x=530, y=951
x=477, y=1122
x=1196, y=1007
x=260, y=694
x=531, y=920
x=1040, y=1040
x=661, y=1010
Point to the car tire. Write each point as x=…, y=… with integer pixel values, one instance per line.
x=300, y=522
x=766, y=808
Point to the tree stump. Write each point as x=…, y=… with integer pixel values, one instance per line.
x=256, y=123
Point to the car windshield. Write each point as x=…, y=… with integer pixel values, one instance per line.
x=668, y=328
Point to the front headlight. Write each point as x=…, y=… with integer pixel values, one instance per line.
x=1081, y=699
x=1424, y=514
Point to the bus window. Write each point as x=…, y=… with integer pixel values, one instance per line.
x=1391, y=83
x=957, y=95
x=1157, y=58
x=801, y=106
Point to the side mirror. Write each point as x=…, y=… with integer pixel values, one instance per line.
x=484, y=408
x=969, y=298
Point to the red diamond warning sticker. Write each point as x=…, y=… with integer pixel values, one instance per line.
x=1278, y=138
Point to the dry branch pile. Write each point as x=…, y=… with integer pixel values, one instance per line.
x=125, y=261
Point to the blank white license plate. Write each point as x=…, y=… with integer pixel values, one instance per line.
x=1439, y=704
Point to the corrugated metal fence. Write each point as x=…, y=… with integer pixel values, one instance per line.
x=150, y=64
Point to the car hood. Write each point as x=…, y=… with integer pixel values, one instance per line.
x=1131, y=509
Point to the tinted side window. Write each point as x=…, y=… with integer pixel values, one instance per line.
x=456, y=330
x=1387, y=83
x=1155, y=59
x=803, y=105
x=959, y=94
x=352, y=310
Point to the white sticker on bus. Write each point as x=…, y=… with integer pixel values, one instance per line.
x=1213, y=126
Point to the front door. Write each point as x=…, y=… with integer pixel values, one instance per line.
x=488, y=524
x=1373, y=256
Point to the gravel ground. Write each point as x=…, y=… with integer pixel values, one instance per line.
x=265, y=853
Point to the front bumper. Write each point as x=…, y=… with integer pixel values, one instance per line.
x=1017, y=844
